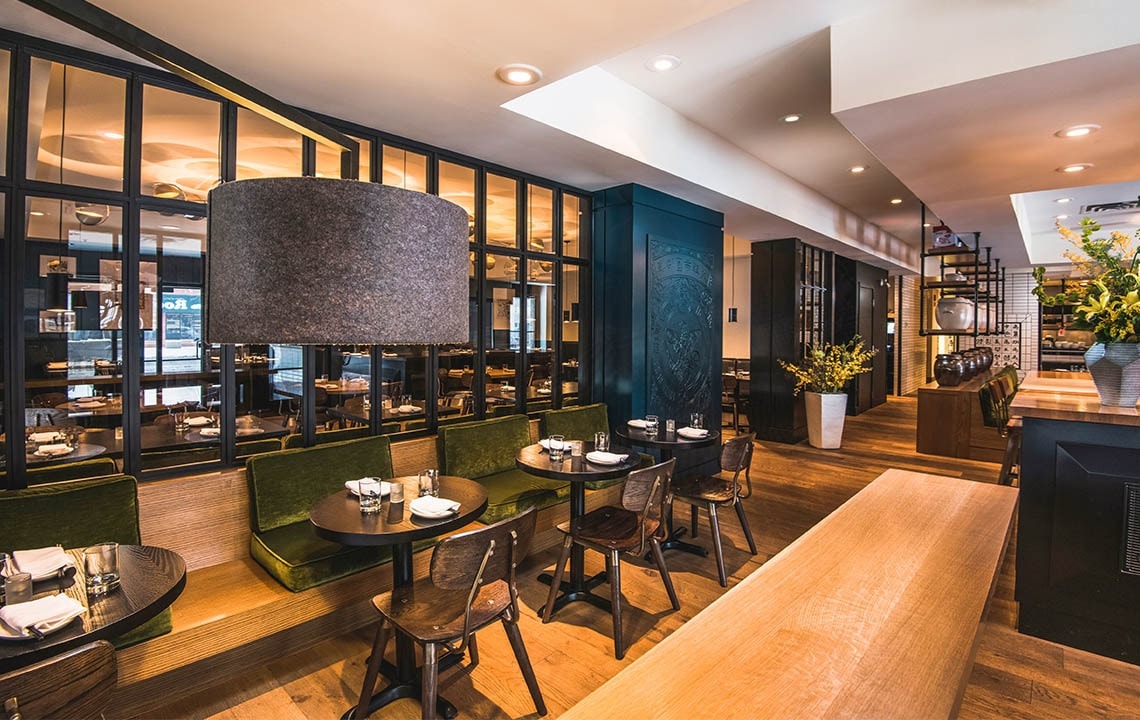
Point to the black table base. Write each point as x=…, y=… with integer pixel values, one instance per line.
x=412, y=689
x=577, y=592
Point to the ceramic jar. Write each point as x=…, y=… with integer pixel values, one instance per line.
x=987, y=355
x=971, y=364
x=955, y=313
x=948, y=369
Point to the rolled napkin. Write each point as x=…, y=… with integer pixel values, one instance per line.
x=605, y=458
x=44, y=437
x=636, y=423
x=408, y=408
x=431, y=506
x=693, y=433
x=354, y=488
x=210, y=432
x=53, y=450
x=199, y=420
x=45, y=614
x=42, y=562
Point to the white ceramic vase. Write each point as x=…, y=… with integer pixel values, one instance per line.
x=955, y=313
x=825, y=415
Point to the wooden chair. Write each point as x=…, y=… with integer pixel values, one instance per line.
x=711, y=492
x=995, y=396
x=471, y=584
x=728, y=401
x=74, y=684
x=633, y=528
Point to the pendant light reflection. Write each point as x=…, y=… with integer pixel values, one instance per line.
x=732, y=310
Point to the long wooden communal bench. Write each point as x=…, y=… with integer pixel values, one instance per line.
x=873, y=613
x=233, y=615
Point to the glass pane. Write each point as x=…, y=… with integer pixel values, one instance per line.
x=456, y=383
x=269, y=383
x=404, y=168
x=73, y=323
x=502, y=333
x=571, y=289
x=328, y=160
x=457, y=184
x=5, y=65
x=502, y=228
x=539, y=219
x=3, y=349
x=571, y=224
x=75, y=126
x=265, y=148
x=540, y=314
x=181, y=135
x=403, y=373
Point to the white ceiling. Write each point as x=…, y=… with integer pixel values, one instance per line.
x=951, y=103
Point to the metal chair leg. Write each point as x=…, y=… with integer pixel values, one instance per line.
x=523, y=659
x=430, y=680
x=714, y=526
x=613, y=571
x=473, y=651
x=693, y=519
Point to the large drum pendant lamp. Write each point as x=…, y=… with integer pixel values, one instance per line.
x=316, y=261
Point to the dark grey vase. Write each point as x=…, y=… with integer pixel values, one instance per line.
x=948, y=370
x=1115, y=369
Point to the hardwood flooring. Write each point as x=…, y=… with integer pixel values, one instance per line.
x=1015, y=676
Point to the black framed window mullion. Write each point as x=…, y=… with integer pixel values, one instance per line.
x=478, y=359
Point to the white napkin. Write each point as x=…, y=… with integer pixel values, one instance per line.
x=693, y=433
x=210, y=432
x=507, y=388
x=199, y=420
x=545, y=443
x=53, y=450
x=41, y=562
x=605, y=458
x=45, y=614
x=636, y=423
x=352, y=487
x=43, y=437
x=432, y=506
x=408, y=408
x=543, y=391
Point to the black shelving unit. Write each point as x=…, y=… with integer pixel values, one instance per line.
x=1059, y=345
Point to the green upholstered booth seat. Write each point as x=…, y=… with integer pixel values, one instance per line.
x=76, y=514
x=419, y=424
x=154, y=459
x=95, y=467
x=284, y=486
x=485, y=451
x=248, y=448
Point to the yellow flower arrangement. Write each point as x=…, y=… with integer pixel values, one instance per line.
x=828, y=369
x=1108, y=304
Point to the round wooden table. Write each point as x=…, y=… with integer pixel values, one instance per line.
x=669, y=443
x=82, y=451
x=577, y=471
x=337, y=518
x=150, y=579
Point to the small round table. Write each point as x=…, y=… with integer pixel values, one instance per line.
x=338, y=518
x=150, y=579
x=669, y=443
x=535, y=460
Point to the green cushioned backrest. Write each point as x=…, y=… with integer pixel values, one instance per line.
x=284, y=486
x=476, y=449
x=96, y=467
x=73, y=514
x=578, y=423
x=256, y=447
x=325, y=437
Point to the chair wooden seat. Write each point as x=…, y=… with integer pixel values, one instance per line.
x=708, y=488
x=430, y=613
x=611, y=528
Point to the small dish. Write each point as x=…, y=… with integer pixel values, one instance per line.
x=50, y=451
x=433, y=508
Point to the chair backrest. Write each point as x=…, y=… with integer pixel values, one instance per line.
x=736, y=457
x=728, y=385
x=95, y=467
x=456, y=562
x=40, y=416
x=74, y=684
x=995, y=397
x=644, y=493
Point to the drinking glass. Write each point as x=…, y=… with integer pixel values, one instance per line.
x=557, y=448
x=368, y=491
x=651, y=425
x=396, y=493
x=696, y=420
x=17, y=588
x=101, y=565
x=601, y=442
x=429, y=482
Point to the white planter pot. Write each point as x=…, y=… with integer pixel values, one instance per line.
x=825, y=415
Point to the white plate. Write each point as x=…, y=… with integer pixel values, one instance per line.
x=210, y=432
x=418, y=509
x=385, y=487
x=636, y=424
x=7, y=634
x=46, y=453
x=408, y=409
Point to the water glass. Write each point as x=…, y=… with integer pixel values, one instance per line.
x=429, y=482
x=601, y=442
x=670, y=426
x=651, y=426
x=557, y=448
x=575, y=448
x=696, y=420
x=101, y=565
x=396, y=493
x=17, y=588
x=368, y=491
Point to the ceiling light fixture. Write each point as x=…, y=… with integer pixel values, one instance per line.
x=896, y=201
x=519, y=74
x=794, y=117
x=926, y=225
x=858, y=169
x=169, y=191
x=36, y=213
x=663, y=62
x=1062, y=201
x=91, y=214
x=1076, y=131
x=1075, y=168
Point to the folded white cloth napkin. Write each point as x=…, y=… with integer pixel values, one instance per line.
x=507, y=388
x=408, y=408
x=430, y=505
x=693, y=433
x=45, y=614
x=636, y=423
x=605, y=458
x=43, y=437
x=543, y=391
x=210, y=432
x=545, y=443
x=57, y=449
x=199, y=420
x=352, y=487
x=41, y=562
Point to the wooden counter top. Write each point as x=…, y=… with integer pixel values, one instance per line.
x=872, y=613
x=1067, y=396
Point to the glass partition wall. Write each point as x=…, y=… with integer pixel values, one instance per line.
x=104, y=256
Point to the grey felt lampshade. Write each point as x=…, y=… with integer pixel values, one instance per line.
x=315, y=261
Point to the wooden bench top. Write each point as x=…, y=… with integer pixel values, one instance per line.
x=874, y=613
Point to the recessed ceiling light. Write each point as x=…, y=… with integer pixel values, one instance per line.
x=896, y=201
x=519, y=74
x=111, y=135
x=1076, y=131
x=169, y=227
x=1062, y=201
x=858, y=168
x=1075, y=168
x=663, y=62
x=794, y=117
x=1061, y=217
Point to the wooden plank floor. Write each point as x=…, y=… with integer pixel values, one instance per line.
x=1015, y=676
